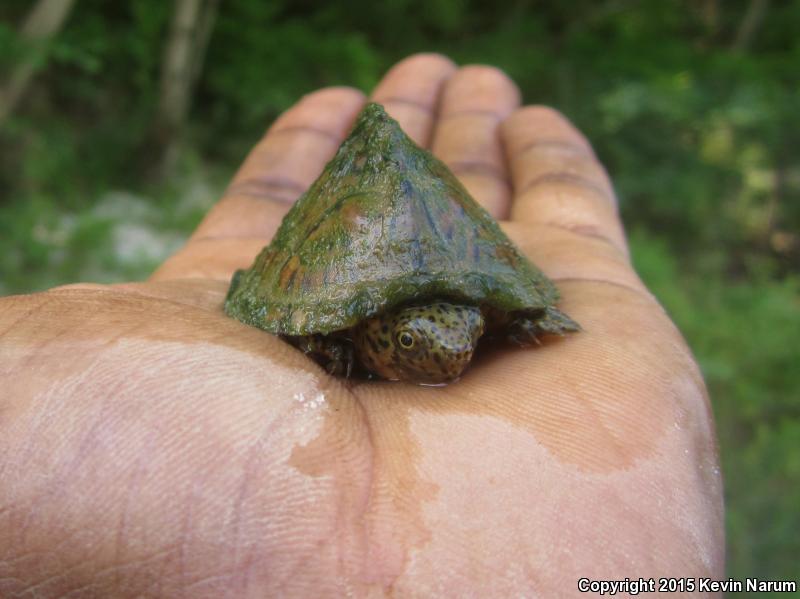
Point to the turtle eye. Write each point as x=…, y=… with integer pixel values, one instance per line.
x=405, y=339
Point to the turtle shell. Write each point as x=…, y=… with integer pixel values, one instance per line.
x=385, y=224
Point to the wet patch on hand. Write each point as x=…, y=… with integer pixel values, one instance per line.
x=600, y=400
x=373, y=459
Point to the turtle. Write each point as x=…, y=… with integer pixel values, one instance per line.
x=387, y=266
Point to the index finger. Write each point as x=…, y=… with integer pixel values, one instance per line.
x=275, y=173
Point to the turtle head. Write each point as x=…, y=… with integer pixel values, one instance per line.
x=429, y=344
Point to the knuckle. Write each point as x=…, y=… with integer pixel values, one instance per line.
x=542, y=123
x=576, y=184
x=478, y=168
x=279, y=189
x=590, y=231
x=571, y=205
x=563, y=150
x=283, y=128
x=541, y=162
x=570, y=192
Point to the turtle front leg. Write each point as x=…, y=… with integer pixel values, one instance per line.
x=526, y=330
x=332, y=353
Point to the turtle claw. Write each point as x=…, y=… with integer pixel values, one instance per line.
x=333, y=353
x=341, y=362
x=555, y=322
x=350, y=360
x=526, y=330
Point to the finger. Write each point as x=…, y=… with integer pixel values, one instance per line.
x=410, y=93
x=283, y=164
x=276, y=172
x=474, y=102
x=556, y=177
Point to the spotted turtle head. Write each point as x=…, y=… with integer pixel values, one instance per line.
x=429, y=344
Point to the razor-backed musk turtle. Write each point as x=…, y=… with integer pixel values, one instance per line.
x=387, y=263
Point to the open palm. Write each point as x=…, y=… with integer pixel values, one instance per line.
x=151, y=446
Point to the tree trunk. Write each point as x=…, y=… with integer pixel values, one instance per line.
x=192, y=23
x=43, y=21
x=752, y=20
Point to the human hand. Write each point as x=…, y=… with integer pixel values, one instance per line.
x=152, y=446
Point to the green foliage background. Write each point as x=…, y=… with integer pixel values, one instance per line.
x=700, y=136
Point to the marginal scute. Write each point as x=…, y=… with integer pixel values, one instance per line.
x=386, y=224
